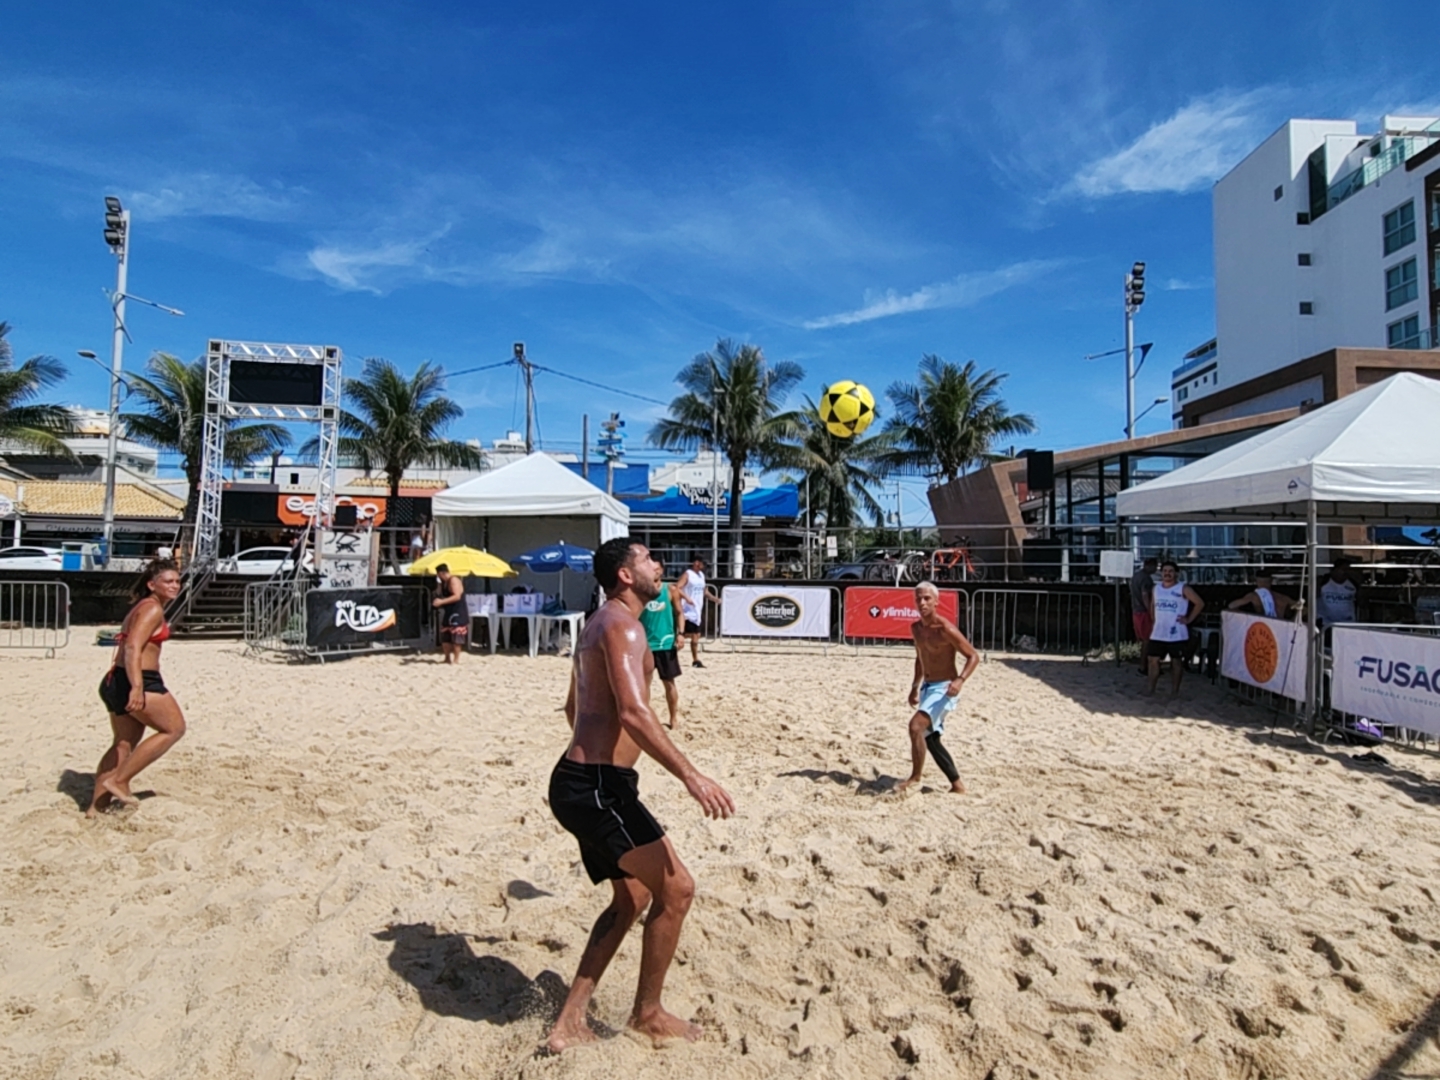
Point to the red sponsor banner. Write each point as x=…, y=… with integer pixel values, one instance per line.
x=888, y=613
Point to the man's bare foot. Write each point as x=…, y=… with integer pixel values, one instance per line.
x=662, y=1027
x=901, y=787
x=569, y=1033
x=120, y=792
x=957, y=788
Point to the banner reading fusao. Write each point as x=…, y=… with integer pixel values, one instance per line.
x=888, y=613
x=752, y=611
x=1268, y=653
x=1393, y=678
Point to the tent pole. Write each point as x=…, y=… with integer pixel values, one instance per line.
x=1312, y=595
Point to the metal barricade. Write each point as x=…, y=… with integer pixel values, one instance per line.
x=34, y=615
x=1034, y=620
x=275, y=615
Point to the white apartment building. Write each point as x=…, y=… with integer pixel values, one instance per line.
x=1325, y=238
x=90, y=445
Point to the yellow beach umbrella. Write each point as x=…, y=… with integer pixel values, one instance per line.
x=464, y=562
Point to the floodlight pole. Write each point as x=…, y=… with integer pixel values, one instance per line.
x=117, y=348
x=1129, y=371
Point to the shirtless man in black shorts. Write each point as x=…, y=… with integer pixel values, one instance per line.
x=594, y=794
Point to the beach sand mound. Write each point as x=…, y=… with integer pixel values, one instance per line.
x=349, y=870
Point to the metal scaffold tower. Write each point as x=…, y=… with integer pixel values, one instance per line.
x=247, y=380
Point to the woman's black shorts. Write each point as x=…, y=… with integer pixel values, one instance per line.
x=600, y=806
x=115, y=688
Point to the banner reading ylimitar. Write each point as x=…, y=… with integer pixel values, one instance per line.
x=888, y=613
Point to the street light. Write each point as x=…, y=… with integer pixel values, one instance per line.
x=117, y=236
x=1134, y=297
x=1157, y=401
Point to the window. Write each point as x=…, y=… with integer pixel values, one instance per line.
x=1279, y=191
x=1400, y=285
x=1400, y=227
x=294, y=479
x=1404, y=334
x=1302, y=219
x=1307, y=307
x=1303, y=258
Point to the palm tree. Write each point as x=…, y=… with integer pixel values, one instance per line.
x=397, y=424
x=173, y=398
x=838, y=473
x=732, y=404
x=948, y=422
x=32, y=427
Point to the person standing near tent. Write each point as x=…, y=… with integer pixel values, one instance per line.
x=1142, y=584
x=451, y=613
x=693, y=593
x=1338, y=593
x=663, y=624
x=1263, y=599
x=1173, y=607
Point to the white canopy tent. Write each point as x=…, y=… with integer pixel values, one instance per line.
x=527, y=504
x=1372, y=458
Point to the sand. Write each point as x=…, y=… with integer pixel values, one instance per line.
x=349, y=870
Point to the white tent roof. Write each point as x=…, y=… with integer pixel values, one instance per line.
x=1373, y=456
x=534, y=486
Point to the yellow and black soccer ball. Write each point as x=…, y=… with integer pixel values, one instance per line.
x=846, y=409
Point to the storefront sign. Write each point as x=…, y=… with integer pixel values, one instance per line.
x=1268, y=653
x=888, y=613
x=754, y=611
x=344, y=618
x=7, y=506
x=1390, y=677
x=299, y=509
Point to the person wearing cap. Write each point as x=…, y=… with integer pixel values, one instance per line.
x=1263, y=599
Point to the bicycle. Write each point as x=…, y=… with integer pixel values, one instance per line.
x=957, y=564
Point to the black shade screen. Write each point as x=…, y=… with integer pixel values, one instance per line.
x=253, y=383
x=1040, y=470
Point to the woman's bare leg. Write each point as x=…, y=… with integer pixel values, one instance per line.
x=126, y=734
x=161, y=712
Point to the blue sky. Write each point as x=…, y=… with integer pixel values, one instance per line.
x=847, y=186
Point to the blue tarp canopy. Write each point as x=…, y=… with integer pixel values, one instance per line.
x=778, y=502
x=629, y=479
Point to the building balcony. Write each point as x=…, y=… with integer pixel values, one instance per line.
x=1396, y=154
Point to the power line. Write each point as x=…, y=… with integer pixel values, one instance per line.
x=473, y=370
x=601, y=386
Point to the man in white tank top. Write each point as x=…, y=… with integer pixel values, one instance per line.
x=1173, y=607
x=693, y=593
x=1263, y=599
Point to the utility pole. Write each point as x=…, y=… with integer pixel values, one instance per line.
x=585, y=446
x=1134, y=297
x=529, y=370
x=117, y=235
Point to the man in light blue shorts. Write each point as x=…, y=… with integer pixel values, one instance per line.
x=937, y=685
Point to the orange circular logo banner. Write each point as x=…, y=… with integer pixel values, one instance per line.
x=1262, y=652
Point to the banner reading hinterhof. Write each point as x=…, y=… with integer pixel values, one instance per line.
x=1268, y=653
x=1393, y=678
x=346, y=618
x=753, y=611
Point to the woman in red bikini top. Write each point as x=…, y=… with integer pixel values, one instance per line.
x=134, y=693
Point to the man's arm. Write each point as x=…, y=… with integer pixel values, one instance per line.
x=919, y=673
x=1196, y=606
x=1248, y=600
x=962, y=646
x=625, y=665
x=676, y=610
x=570, y=697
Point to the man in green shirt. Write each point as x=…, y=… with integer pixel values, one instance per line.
x=662, y=622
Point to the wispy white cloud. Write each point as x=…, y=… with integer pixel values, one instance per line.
x=1196, y=146
x=1186, y=284
x=962, y=291
x=369, y=267
x=209, y=195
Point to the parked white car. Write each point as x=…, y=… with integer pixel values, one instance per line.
x=262, y=561
x=29, y=558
